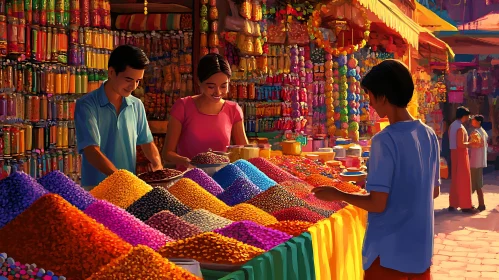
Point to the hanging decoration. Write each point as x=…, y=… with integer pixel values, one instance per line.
x=145, y=7
x=209, y=40
x=353, y=97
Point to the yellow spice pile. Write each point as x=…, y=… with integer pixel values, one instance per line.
x=248, y=212
x=194, y=196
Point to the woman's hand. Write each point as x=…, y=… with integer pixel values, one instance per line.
x=183, y=161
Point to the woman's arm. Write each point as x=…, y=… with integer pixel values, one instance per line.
x=238, y=134
x=171, y=141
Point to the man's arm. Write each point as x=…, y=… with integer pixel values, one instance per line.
x=152, y=154
x=374, y=202
x=97, y=159
x=146, y=141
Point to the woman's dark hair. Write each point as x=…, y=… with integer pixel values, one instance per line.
x=479, y=118
x=390, y=79
x=127, y=55
x=461, y=112
x=212, y=64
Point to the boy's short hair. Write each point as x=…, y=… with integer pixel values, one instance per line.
x=461, y=112
x=479, y=118
x=391, y=79
x=127, y=56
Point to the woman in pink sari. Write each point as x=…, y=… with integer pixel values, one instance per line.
x=460, y=189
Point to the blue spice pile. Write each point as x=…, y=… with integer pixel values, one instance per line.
x=256, y=176
x=227, y=175
x=240, y=191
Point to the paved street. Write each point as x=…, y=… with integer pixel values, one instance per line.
x=467, y=246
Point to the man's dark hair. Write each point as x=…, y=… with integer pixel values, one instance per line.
x=127, y=55
x=479, y=118
x=212, y=64
x=461, y=112
x=390, y=79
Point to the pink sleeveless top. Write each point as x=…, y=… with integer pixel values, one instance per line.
x=201, y=132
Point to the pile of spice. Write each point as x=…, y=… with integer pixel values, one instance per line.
x=335, y=206
x=248, y=212
x=156, y=201
x=205, y=220
x=254, y=234
x=256, y=176
x=122, y=188
x=240, y=191
x=277, y=198
x=126, y=226
x=210, y=247
x=160, y=175
x=294, y=228
x=349, y=188
x=172, y=226
x=273, y=171
x=58, y=183
x=195, y=197
x=209, y=158
x=10, y=269
x=17, y=193
x=297, y=187
x=53, y=233
x=297, y=214
x=302, y=167
x=318, y=180
x=142, y=263
x=227, y=175
x=204, y=180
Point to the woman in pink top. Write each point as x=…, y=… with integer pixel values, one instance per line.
x=205, y=121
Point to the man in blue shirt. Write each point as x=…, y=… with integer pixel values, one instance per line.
x=110, y=123
x=403, y=180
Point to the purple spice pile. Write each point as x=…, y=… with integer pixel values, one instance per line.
x=240, y=191
x=254, y=234
x=10, y=268
x=58, y=183
x=227, y=175
x=172, y=226
x=156, y=201
x=125, y=225
x=204, y=180
x=256, y=176
x=17, y=193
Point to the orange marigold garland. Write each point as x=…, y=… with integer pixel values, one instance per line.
x=314, y=24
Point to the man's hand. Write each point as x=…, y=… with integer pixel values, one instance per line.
x=327, y=193
x=155, y=167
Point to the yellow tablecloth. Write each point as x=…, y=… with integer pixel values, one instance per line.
x=337, y=245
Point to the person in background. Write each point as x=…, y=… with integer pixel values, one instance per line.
x=205, y=121
x=445, y=153
x=403, y=180
x=460, y=189
x=111, y=123
x=478, y=158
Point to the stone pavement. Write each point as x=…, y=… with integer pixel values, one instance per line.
x=467, y=246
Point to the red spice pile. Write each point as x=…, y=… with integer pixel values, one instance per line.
x=53, y=233
x=297, y=214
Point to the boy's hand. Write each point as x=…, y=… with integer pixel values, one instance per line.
x=327, y=193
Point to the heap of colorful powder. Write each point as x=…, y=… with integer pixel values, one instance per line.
x=142, y=263
x=227, y=175
x=204, y=180
x=302, y=167
x=297, y=214
x=256, y=176
x=248, y=212
x=53, y=233
x=298, y=188
x=156, y=201
x=303, y=190
x=294, y=228
x=273, y=171
x=210, y=247
x=205, y=220
x=240, y=191
x=172, y=226
x=10, y=269
x=254, y=234
x=312, y=200
x=58, y=183
x=277, y=198
x=126, y=226
x=17, y=193
x=122, y=188
x=194, y=196
x=318, y=180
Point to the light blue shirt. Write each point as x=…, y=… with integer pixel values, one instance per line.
x=405, y=163
x=117, y=135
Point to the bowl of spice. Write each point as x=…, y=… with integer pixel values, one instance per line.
x=163, y=178
x=210, y=162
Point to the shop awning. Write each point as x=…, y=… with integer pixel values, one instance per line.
x=428, y=19
x=395, y=19
x=427, y=37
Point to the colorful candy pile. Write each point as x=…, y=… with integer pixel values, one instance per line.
x=142, y=263
x=254, y=234
x=210, y=247
x=156, y=201
x=194, y=196
x=240, y=191
x=126, y=226
x=51, y=230
x=201, y=178
x=205, y=220
x=122, y=189
x=172, y=226
x=10, y=269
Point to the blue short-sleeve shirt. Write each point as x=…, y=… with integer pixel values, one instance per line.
x=405, y=163
x=117, y=135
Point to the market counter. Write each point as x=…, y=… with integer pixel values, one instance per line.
x=335, y=244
